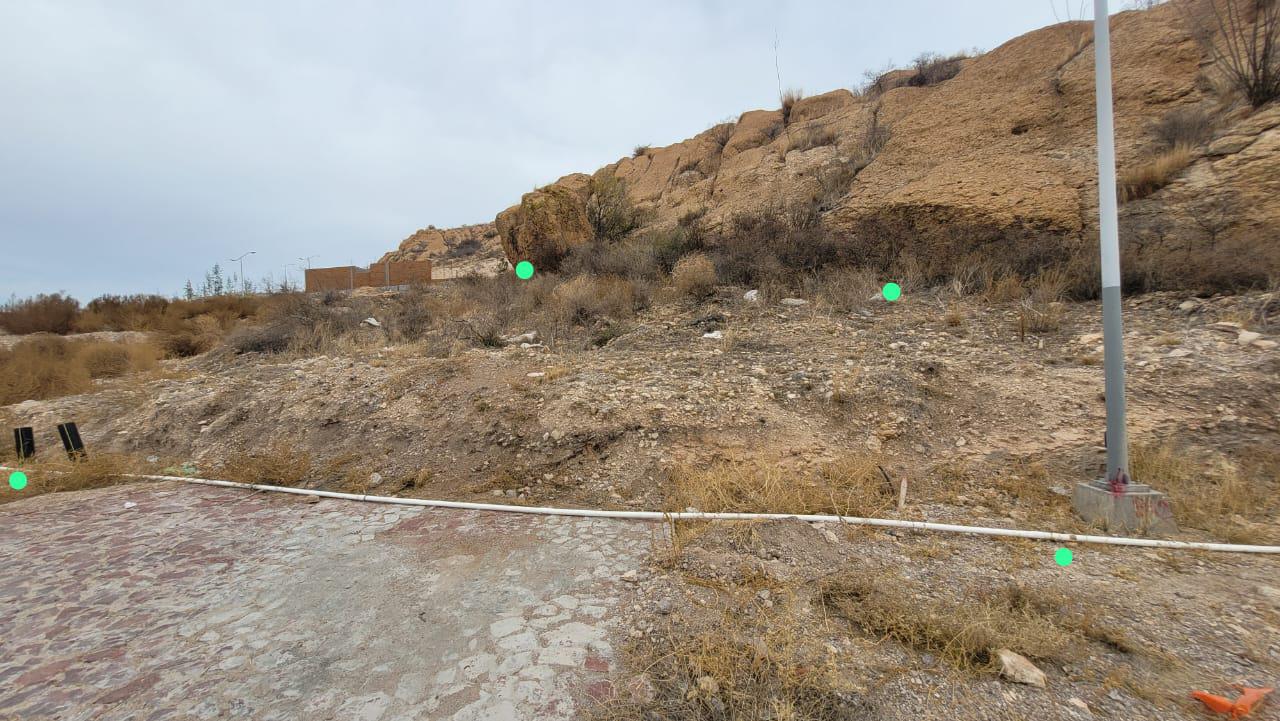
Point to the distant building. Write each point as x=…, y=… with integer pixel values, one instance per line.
x=377, y=275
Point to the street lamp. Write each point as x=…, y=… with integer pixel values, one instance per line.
x=307, y=260
x=240, y=260
x=1114, y=500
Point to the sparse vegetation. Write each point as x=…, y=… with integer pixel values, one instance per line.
x=1152, y=175
x=1214, y=494
x=278, y=464
x=60, y=474
x=609, y=209
x=1243, y=38
x=932, y=69
x=49, y=366
x=640, y=151
x=810, y=138
x=789, y=99
x=1183, y=127
x=852, y=487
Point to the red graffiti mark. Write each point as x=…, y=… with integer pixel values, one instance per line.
x=1119, y=483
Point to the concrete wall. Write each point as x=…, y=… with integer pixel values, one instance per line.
x=377, y=275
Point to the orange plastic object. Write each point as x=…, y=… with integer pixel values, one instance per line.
x=1215, y=703
x=1241, y=707
x=1249, y=697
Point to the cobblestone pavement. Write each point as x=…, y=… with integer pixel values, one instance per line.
x=174, y=601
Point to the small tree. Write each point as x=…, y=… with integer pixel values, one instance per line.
x=188, y=292
x=609, y=210
x=1243, y=38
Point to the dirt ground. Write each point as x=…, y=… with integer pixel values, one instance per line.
x=988, y=421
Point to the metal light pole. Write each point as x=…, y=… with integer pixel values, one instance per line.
x=240, y=260
x=1114, y=501
x=1109, y=230
x=307, y=260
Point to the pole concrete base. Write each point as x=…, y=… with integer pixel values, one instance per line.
x=1136, y=509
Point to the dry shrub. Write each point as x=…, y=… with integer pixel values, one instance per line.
x=954, y=317
x=789, y=100
x=584, y=299
x=279, y=464
x=47, y=366
x=1006, y=289
x=846, y=290
x=110, y=360
x=932, y=69
x=694, y=276
x=852, y=487
x=1214, y=496
x=94, y=470
x=52, y=313
x=1183, y=127
x=1154, y=174
x=964, y=631
x=122, y=312
x=636, y=259
x=779, y=247
x=1042, y=310
x=746, y=667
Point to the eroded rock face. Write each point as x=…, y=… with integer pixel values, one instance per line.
x=547, y=222
x=996, y=160
x=433, y=243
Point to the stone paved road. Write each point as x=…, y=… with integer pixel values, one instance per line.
x=206, y=603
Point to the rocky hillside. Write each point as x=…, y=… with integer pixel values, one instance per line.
x=462, y=248
x=966, y=160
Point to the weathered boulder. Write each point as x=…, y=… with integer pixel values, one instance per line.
x=547, y=222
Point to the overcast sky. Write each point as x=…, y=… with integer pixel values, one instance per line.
x=142, y=142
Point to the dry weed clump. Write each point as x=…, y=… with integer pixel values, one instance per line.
x=694, y=276
x=584, y=299
x=1143, y=180
x=852, y=487
x=97, y=470
x=847, y=290
x=279, y=464
x=746, y=667
x=967, y=628
x=48, y=366
x=1233, y=501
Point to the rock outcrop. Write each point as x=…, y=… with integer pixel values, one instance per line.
x=444, y=244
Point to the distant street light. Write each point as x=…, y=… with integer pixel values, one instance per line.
x=240, y=260
x=307, y=260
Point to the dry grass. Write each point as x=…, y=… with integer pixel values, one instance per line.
x=584, y=299
x=743, y=666
x=1042, y=310
x=47, y=366
x=96, y=470
x=1152, y=175
x=965, y=627
x=1005, y=289
x=852, y=487
x=954, y=317
x=811, y=138
x=846, y=290
x=279, y=464
x=694, y=276
x=1215, y=495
